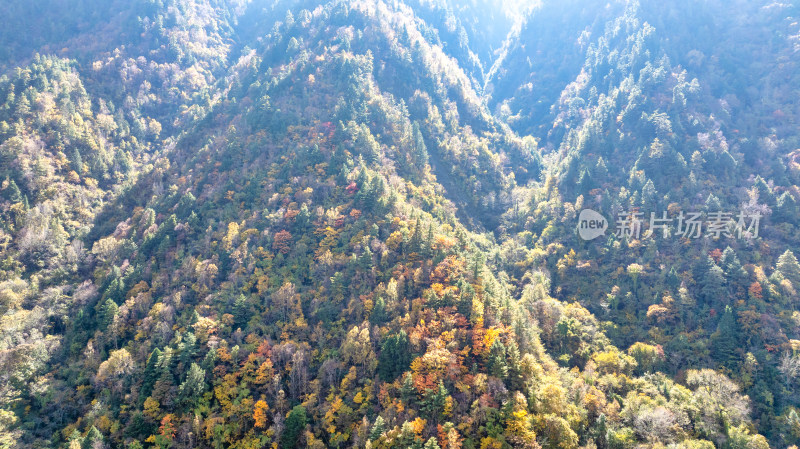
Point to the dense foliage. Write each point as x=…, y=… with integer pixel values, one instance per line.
x=353, y=224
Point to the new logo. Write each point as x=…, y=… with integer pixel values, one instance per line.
x=591, y=224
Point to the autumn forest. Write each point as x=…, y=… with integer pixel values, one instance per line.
x=363, y=224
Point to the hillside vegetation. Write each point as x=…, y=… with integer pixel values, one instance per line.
x=233, y=224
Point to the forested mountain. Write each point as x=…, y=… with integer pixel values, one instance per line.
x=356, y=224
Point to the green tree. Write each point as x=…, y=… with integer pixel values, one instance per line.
x=241, y=311
x=12, y=192
x=734, y=272
x=415, y=242
x=94, y=439
x=75, y=439
x=106, y=313
x=395, y=356
x=151, y=373
x=467, y=292
x=724, y=342
x=672, y=280
x=789, y=267
x=765, y=194
x=435, y=402
x=377, y=429
x=378, y=315
x=114, y=286
x=407, y=389
x=77, y=161
x=295, y=425
x=194, y=385
x=431, y=444
x=419, y=150
x=516, y=379
x=303, y=218
x=786, y=209
x=649, y=195
x=713, y=282
x=496, y=363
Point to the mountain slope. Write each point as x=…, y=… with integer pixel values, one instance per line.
x=255, y=228
x=656, y=120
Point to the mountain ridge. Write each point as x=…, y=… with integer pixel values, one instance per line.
x=329, y=239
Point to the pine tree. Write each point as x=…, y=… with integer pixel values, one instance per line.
x=419, y=150
x=465, y=301
x=23, y=106
x=789, y=267
x=187, y=348
x=713, y=282
x=186, y=203
x=114, y=286
x=77, y=162
x=477, y=265
x=516, y=381
x=365, y=259
x=194, y=385
x=649, y=195
x=585, y=182
x=724, y=341
x=435, y=402
x=195, y=317
x=395, y=356
x=786, y=209
x=496, y=363
x=115, y=291
x=734, y=272
x=93, y=439
x=672, y=279
x=106, y=313
x=601, y=170
x=427, y=247
x=13, y=193
x=407, y=389
x=415, y=243
x=712, y=203
x=765, y=195
x=377, y=429
x=241, y=311
x=303, y=218
x=378, y=315
x=731, y=265
x=363, y=183
x=151, y=373
x=75, y=440
x=295, y=425
x=377, y=200
x=599, y=432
